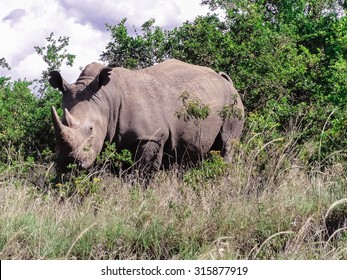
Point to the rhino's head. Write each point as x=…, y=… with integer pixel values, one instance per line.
x=81, y=132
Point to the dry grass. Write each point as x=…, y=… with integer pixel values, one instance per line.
x=265, y=206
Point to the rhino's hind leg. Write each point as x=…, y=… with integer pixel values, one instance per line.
x=227, y=151
x=230, y=134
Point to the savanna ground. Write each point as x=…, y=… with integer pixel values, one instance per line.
x=267, y=204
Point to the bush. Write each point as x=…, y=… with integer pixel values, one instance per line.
x=25, y=126
x=210, y=169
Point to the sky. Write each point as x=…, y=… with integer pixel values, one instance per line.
x=26, y=23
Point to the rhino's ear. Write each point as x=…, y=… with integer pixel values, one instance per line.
x=56, y=81
x=104, y=77
x=100, y=80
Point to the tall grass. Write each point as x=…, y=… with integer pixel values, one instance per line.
x=267, y=204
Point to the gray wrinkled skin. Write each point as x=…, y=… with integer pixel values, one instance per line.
x=138, y=111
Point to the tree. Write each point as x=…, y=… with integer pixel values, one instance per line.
x=142, y=50
x=289, y=60
x=26, y=126
x=55, y=54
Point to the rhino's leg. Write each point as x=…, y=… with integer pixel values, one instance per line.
x=148, y=158
x=230, y=134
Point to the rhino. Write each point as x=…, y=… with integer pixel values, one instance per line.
x=146, y=112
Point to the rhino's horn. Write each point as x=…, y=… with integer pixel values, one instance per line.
x=63, y=133
x=71, y=120
x=58, y=125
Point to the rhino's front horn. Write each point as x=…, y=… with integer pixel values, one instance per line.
x=58, y=125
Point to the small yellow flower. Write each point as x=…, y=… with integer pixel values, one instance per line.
x=59, y=185
x=96, y=180
x=215, y=153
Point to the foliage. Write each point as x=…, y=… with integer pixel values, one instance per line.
x=193, y=108
x=230, y=110
x=4, y=64
x=77, y=184
x=26, y=126
x=25, y=121
x=283, y=57
x=210, y=170
x=113, y=159
x=134, y=52
x=54, y=54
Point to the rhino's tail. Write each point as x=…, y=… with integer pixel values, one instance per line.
x=226, y=76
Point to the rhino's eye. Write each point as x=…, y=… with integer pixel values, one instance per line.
x=89, y=129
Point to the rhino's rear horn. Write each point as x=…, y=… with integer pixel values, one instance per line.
x=71, y=120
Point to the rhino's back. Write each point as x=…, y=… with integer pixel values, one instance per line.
x=164, y=85
x=175, y=75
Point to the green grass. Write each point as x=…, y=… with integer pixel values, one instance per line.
x=262, y=206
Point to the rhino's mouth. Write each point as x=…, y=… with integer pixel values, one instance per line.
x=85, y=159
x=66, y=161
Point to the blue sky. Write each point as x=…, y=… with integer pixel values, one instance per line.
x=26, y=23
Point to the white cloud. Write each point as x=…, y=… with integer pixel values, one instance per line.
x=26, y=23
x=110, y=11
x=30, y=67
x=39, y=18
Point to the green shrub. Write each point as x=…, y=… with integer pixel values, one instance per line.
x=25, y=126
x=112, y=159
x=193, y=108
x=212, y=168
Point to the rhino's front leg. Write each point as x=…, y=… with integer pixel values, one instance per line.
x=148, y=158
